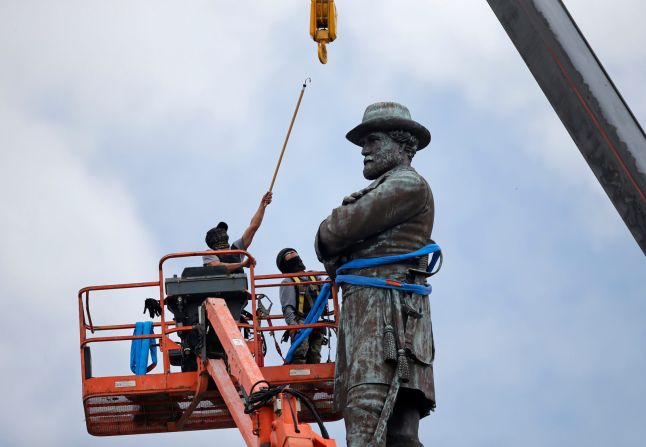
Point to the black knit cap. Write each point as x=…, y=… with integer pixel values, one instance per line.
x=280, y=258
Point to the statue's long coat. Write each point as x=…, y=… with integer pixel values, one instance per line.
x=393, y=215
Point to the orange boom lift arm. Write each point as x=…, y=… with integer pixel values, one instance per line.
x=275, y=425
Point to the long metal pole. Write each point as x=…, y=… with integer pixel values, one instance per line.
x=289, y=131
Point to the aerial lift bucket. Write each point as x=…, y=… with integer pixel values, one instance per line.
x=212, y=396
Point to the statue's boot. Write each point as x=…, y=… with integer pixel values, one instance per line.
x=403, y=425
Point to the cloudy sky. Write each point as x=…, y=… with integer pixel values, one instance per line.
x=128, y=128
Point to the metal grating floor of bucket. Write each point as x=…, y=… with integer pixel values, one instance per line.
x=151, y=413
x=124, y=414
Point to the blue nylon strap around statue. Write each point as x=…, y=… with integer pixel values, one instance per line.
x=140, y=348
x=319, y=305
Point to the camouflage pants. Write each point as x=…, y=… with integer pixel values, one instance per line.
x=309, y=350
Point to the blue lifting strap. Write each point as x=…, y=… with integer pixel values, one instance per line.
x=319, y=305
x=140, y=348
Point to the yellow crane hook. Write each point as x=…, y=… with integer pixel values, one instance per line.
x=323, y=25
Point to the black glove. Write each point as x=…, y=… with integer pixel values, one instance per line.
x=288, y=335
x=152, y=306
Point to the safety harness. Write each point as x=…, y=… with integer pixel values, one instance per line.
x=306, y=295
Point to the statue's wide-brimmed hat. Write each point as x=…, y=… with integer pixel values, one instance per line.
x=387, y=116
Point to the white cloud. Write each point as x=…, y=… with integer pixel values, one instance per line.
x=62, y=228
x=462, y=46
x=136, y=66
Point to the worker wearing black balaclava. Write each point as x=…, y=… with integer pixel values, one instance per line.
x=288, y=261
x=217, y=238
x=296, y=302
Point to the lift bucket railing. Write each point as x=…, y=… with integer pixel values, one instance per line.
x=164, y=401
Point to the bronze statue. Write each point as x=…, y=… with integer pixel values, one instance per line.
x=384, y=365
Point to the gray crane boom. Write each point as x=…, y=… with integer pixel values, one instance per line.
x=585, y=99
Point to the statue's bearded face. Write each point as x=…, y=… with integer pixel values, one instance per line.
x=381, y=154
